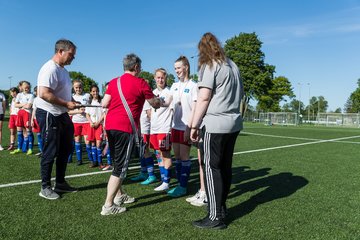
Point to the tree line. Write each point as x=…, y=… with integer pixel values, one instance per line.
x=352, y=104
x=259, y=79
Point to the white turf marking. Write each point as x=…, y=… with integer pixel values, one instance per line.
x=296, y=138
x=296, y=145
x=67, y=177
x=235, y=153
x=277, y=136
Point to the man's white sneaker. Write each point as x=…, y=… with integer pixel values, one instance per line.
x=201, y=201
x=1, y=148
x=114, y=209
x=124, y=198
x=196, y=196
x=163, y=187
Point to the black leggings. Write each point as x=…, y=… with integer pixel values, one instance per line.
x=216, y=152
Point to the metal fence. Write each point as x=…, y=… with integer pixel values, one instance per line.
x=339, y=119
x=290, y=118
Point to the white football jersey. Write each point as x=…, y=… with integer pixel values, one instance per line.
x=25, y=98
x=82, y=99
x=184, y=95
x=161, y=118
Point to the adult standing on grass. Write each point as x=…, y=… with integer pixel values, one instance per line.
x=119, y=129
x=216, y=124
x=57, y=130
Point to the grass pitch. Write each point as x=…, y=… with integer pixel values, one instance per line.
x=288, y=183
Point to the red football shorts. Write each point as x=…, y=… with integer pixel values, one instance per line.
x=23, y=119
x=81, y=129
x=160, y=141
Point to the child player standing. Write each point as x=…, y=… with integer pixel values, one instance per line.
x=80, y=121
x=24, y=101
x=161, y=120
x=13, y=116
x=95, y=116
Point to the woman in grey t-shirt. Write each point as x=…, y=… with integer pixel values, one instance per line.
x=216, y=124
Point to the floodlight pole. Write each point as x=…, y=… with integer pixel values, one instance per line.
x=299, y=96
x=194, y=69
x=10, y=77
x=309, y=104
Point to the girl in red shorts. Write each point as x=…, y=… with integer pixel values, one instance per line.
x=80, y=121
x=160, y=129
x=13, y=116
x=24, y=101
x=95, y=116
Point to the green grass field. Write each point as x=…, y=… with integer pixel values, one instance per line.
x=288, y=183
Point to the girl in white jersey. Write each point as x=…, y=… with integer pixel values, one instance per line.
x=184, y=95
x=80, y=121
x=13, y=116
x=95, y=116
x=24, y=101
x=161, y=120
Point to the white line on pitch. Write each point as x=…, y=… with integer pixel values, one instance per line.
x=137, y=167
x=67, y=177
x=296, y=145
x=295, y=138
x=277, y=136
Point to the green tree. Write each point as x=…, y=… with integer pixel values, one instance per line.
x=170, y=79
x=313, y=106
x=294, y=106
x=286, y=108
x=338, y=110
x=149, y=77
x=245, y=51
x=87, y=81
x=6, y=94
x=348, y=106
x=194, y=77
x=280, y=88
x=322, y=104
x=318, y=105
x=352, y=105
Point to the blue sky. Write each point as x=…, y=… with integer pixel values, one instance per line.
x=314, y=43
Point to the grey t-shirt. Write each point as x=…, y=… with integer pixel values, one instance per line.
x=223, y=114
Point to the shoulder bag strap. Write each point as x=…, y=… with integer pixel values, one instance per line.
x=128, y=111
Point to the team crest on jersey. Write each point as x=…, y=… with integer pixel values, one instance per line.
x=187, y=90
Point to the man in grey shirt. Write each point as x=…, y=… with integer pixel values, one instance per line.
x=216, y=124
